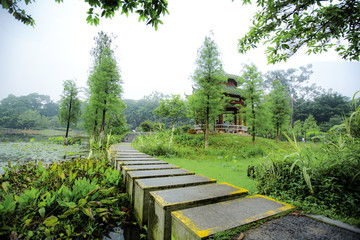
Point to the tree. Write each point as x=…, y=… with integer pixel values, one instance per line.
x=297, y=129
x=310, y=126
x=327, y=109
x=173, y=109
x=12, y=107
x=148, y=10
x=207, y=98
x=29, y=119
x=69, y=109
x=286, y=26
x=138, y=111
x=293, y=83
x=104, y=88
x=280, y=108
x=252, y=92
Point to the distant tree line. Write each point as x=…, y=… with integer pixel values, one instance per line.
x=34, y=111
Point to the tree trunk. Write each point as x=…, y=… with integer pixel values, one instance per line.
x=68, y=123
x=95, y=122
x=102, y=128
x=253, y=125
x=207, y=124
x=172, y=134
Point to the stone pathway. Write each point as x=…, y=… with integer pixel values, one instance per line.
x=178, y=204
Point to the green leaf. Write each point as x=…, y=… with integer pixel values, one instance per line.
x=93, y=191
x=88, y=212
x=69, y=212
x=42, y=212
x=4, y=185
x=82, y=202
x=51, y=221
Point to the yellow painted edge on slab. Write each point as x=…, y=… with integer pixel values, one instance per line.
x=241, y=190
x=190, y=224
x=202, y=233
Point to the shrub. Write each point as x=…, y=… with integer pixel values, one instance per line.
x=326, y=182
x=182, y=129
x=156, y=144
x=147, y=126
x=79, y=199
x=191, y=131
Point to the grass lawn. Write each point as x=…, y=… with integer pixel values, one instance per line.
x=221, y=170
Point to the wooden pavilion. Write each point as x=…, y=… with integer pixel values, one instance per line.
x=234, y=107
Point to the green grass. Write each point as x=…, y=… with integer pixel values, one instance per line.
x=221, y=170
x=226, y=159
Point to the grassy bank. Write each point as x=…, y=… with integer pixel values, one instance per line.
x=233, y=172
x=321, y=178
x=227, y=159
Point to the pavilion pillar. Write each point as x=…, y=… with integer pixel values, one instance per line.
x=221, y=119
x=240, y=120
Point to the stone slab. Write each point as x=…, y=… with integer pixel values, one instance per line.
x=162, y=203
x=127, y=168
x=136, y=159
x=204, y=221
x=132, y=155
x=154, y=162
x=133, y=175
x=143, y=187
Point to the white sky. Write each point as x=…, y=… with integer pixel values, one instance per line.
x=58, y=48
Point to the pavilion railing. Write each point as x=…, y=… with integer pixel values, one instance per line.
x=222, y=128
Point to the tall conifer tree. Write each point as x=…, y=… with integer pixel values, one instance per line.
x=252, y=93
x=69, y=109
x=207, y=99
x=104, y=87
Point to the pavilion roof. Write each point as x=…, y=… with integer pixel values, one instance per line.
x=232, y=90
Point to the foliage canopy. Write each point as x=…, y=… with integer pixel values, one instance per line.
x=148, y=10
x=286, y=26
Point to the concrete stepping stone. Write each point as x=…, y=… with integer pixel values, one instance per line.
x=204, y=221
x=121, y=163
x=162, y=203
x=132, y=155
x=126, y=168
x=136, y=159
x=133, y=175
x=143, y=187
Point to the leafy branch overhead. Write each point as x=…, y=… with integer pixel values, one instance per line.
x=148, y=10
x=285, y=26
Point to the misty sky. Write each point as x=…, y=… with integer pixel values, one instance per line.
x=58, y=48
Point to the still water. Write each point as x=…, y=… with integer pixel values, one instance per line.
x=22, y=147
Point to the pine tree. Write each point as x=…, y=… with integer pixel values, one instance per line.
x=104, y=88
x=252, y=92
x=69, y=109
x=280, y=107
x=207, y=99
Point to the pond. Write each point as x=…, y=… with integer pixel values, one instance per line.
x=21, y=146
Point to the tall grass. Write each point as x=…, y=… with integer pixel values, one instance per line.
x=324, y=180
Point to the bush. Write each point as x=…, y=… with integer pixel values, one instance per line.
x=325, y=182
x=156, y=144
x=79, y=199
x=182, y=129
x=191, y=131
x=147, y=126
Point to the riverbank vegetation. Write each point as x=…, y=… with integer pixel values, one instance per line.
x=320, y=176
x=77, y=198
